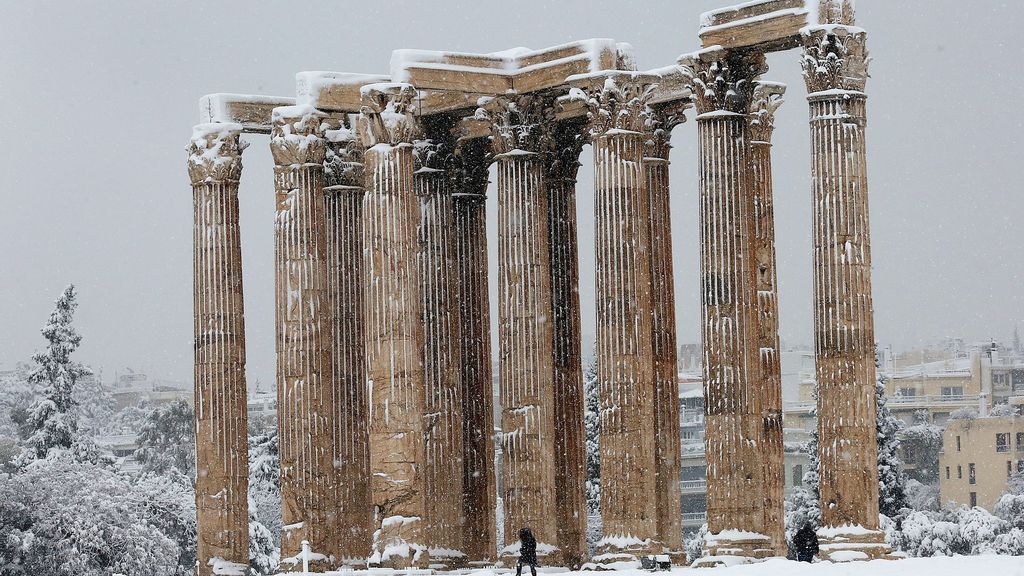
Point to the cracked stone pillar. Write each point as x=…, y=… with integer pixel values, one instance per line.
x=625, y=361
x=835, y=69
x=663, y=329
x=306, y=412
x=570, y=442
x=443, y=394
x=733, y=400
x=394, y=328
x=343, y=209
x=222, y=453
x=767, y=97
x=469, y=205
x=520, y=137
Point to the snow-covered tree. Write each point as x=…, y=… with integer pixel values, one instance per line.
x=802, y=506
x=52, y=421
x=922, y=444
x=592, y=425
x=922, y=496
x=264, y=483
x=1010, y=506
x=693, y=544
x=167, y=440
x=264, y=554
x=169, y=503
x=963, y=414
x=892, y=481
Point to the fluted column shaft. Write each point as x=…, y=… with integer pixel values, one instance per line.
x=343, y=209
x=470, y=238
x=306, y=410
x=767, y=98
x=732, y=398
x=570, y=441
x=835, y=69
x=443, y=395
x=394, y=329
x=222, y=514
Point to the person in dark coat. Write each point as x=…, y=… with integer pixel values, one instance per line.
x=527, y=551
x=806, y=543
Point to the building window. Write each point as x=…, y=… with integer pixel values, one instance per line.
x=907, y=392
x=1020, y=441
x=952, y=391
x=798, y=474
x=957, y=443
x=1020, y=466
x=999, y=379
x=972, y=474
x=1009, y=468
x=947, y=472
x=974, y=499
x=1002, y=442
x=959, y=472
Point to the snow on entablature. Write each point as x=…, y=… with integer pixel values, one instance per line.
x=335, y=91
x=768, y=25
x=252, y=112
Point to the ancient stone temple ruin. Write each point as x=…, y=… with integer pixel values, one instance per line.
x=384, y=360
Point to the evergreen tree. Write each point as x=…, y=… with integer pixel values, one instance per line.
x=592, y=425
x=168, y=441
x=52, y=424
x=892, y=482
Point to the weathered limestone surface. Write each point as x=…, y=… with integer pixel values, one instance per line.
x=394, y=328
x=570, y=442
x=733, y=401
x=766, y=99
x=443, y=399
x=343, y=224
x=663, y=327
x=519, y=125
x=306, y=392
x=214, y=167
x=835, y=70
x=625, y=361
x=470, y=235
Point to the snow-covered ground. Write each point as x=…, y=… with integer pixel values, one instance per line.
x=940, y=566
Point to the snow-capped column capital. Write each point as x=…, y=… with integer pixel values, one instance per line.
x=767, y=98
x=663, y=119
x=835, y=59
x=386, y=116
x=564, y=157
x=343, y=162
x=617, y=100
x=297, y=135
x=215, y=153
x=519, y=123
x=470, y=168
x=723, y=80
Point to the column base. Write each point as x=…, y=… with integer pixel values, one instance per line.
x=547, y=555
x=624, y=552
x=734, y=547
x=852, y=544
x=401, y=557
x=446, y=559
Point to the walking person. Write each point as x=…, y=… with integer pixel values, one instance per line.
x=806, y=543
x=527, y=552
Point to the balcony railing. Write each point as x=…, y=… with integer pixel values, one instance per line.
x=693, y=485
x=904, y=401
x=694, y=518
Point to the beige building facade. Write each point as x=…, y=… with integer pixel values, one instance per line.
x=978, y=457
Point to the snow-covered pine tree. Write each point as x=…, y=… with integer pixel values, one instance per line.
x=592, y=425
x=923, y=442
x=264, y=484
x=892, y=481
x=802, y=506
x=167, y=440
x=52, y=422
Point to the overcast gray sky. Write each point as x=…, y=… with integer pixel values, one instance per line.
x=99, y=98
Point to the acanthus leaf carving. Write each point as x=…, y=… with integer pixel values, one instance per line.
x=567, y=142
x=296, y=135
x=518, y=121
x=615, y=100
x=663, y=119
x=343, y=163
x=835, y=57
x=767, y=98
x=386, y=115
x=723, y=80
x=471, y=158
x=215, y=153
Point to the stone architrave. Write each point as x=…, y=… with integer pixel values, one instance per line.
x=443, y=406
x=520, y=136
x=479, y=496
x=570, y=437
x=394, y=328
x=835, y=62
x=663, y=327
x=343, y=209
x=733, y=401
x=618, y=120
x=222, y=478
x=767, y=97
x=306, y=412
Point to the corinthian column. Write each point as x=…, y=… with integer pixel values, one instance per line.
x=835, y=69
x=570, y=442
x=343, y=208
x=625, y=361
x=733, y=401
x=443, y=401
x=663, y=327
x=394, y=328
x=305, y=390
x=519, y=125
x=469, y=203
x=767, y=97
x=222, y=454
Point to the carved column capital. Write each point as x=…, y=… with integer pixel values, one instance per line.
x=215, y=153
x=470, y=167
x=343, y=163
x=767, y=98
x=616, y=100
x=519, y=121
x=835, y=57
x=296, y=135
x=386, y=115
x=663, y=119
x=723, y=80
x=567, y=142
